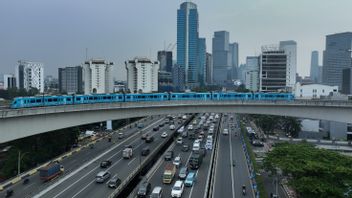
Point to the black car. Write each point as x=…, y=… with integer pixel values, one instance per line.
x=105, y=163
x=161, y=124
x=169, y=155
x=156, y=128
x=144, y=136
x=149, y=139
x=114, y=182
x=144, y=189
x=145, y=151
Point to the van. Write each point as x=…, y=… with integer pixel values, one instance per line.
x=145, y=151
x=157, y=192
x=114, y=182
x=102, y=176
x=196, y=146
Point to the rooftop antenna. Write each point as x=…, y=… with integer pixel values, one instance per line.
x=86, y=53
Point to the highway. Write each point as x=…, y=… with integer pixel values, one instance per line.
x=228, y=179
x=198, y=190
x=82, y=167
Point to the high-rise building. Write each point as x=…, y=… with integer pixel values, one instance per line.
x=273, y=69
x=165, y=60
x=209, y=69
x=187, y=42
x=97, y=76
x=290, y=48
x=252, y=73
x=221, y=58
x=202, y=60
x=30, y=75
x=142, y=75
x=70, y=80
x=9, y=81
x=165, y=81
x=234, y=60
x=178, y=78
x=346, y=81
x=314, y=67
x=336, y=57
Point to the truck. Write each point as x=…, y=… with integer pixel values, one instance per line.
x=127, y=153
x=50, y=171
x=195, y=160
x=169, y=173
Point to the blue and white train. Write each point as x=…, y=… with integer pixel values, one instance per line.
x=39, y=101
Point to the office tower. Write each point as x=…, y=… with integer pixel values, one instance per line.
x=70, y=80
x=178, y=78
x=142, y=75
x=202, y=60
x=290, y=48
x=221, y=58
x=273, y=66
x=97, y=76
x=30, y=75
x=234, y=60
x=209, y=68
x=346, y=81
x=165, y=81
x=241, y=73
x=187, y=42
x=9, y=81
x=336, y=57
x=314, y=67
x=252, y=73
x=165, y=60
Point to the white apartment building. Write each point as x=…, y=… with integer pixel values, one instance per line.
x=313, y=91
x=9, y=81
x=290, y=48
x=142, y=75
x=98, y=76
x=252, y=73
x=30, y=75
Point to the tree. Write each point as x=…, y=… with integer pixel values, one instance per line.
x=292, y=126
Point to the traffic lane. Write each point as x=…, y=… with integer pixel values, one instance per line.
x=123, y=168
x=89, y=168
x=241, y=169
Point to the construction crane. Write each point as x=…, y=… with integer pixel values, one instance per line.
x=171, y=47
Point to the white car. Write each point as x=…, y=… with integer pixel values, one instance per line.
x=177, y=189
x=190, y=127
x=172, y=127
x=164, y=135
x=179, y=140
x=177, y=161
x=225, y=132
x=180, y=130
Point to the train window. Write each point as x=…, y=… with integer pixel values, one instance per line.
x=55, y=99
x=68, y=99
x=78, y=99
x=128, y=97
x=50, y=100
x=109, y=97
x=120, y=97
x=32, y=101
x=90, y=98
x=95, y=98
x=39, y=100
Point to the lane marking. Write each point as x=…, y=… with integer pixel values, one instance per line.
x=232, y=171
x=190, y=192
x=132, y=161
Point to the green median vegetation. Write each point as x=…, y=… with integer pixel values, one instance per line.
x=312, y=172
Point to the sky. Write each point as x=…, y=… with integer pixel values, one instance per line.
x=57, y=32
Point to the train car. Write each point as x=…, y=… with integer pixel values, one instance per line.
x=37, y=101
x=273, y=96
x=146, y=97
x=190, y=96
x=98, y=98
x=232, y=96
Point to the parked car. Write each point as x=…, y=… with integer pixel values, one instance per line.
x=114, y=182
x=144, y=189
x=169, y=155
x=105, y=163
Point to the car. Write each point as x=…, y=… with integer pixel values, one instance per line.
x=157, y=192
x=190, y=127
x=161, y=124
x=177, y=189
x=185, y=147
x=144, y=189
x=169, y=155
x=120, y=135
x=190, y=179
x=225, y=132
x=164, y=135
x=114, y=182
x=102, y=176
x=183, y=173
x=180, y=130
x=145, y=151
x=179, y=140
x=140, y=125
x=144, y=136
x=177, y=161
x=257, y=143
x=149, y=139
x=128, y=146
x=172, y=127
x=201, y=133
x=105, y=163
x=156, y=128
x=184, y=134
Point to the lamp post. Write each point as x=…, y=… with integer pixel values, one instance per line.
x=19, y=161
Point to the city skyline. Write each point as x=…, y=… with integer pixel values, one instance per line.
x=35, y=33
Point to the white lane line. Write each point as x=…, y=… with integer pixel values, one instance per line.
x=232, y=172
x=132, y=161
x=89, y=163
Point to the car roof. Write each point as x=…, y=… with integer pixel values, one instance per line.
x=178, y=183
x=101, y=173
x=157, y=189
x=190, y=174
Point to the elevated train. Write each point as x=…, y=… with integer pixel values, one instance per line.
x=40, y=101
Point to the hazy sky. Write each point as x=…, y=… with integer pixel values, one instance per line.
x=57, y=32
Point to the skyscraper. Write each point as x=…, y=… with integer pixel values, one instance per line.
x=202, y=60
x=252, y=73
x=187, y=42
x=234, y=60
x=336, y=57
x=70, y=80
x=290, y=48
x=97, y=76
x=314, y=67
x=30, y=75
x=165, y=60
x=221, y=58
x=209, y=69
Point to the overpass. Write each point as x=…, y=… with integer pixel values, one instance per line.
x=19, y=123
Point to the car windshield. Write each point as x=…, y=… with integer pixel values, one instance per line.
x=177, y=188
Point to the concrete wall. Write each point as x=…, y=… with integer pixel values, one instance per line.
x=21, y=123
